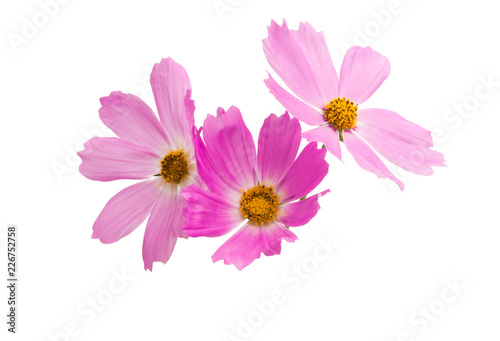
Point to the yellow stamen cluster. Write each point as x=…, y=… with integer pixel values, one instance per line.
x=259, y=204
x=341, y=113
x=174, y=166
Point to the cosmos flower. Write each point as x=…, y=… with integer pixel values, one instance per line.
x=301, y=59
x=259, y=192
x=159, y=152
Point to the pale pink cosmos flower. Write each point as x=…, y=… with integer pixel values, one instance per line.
x=301, y=59
x=159, y=152
x=258, y=191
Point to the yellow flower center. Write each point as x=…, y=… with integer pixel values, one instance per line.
x=341, y=113
x=259, y=204
x=174, y=166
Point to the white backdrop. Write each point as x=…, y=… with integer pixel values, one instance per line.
x=417, y=265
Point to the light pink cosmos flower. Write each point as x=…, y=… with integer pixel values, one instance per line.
x=301, y=59
x=161, y=153
x=260, y=191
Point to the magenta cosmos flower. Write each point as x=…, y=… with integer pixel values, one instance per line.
x=259, y=192
x=161, y=153
x=301, y=59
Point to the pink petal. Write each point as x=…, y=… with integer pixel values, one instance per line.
x=231, y=148
x=172, y=93
x=126, y=210
x=300, y=110
x=410, y=157
x=133, y=120
x=162, y=230
x=328, y=135
x=208, y=214
x=396, y=126
x=250, y=241
x=190, y=108
x=304, y=175
x=366, y=157
x=279, y=141
x=363, y=71
x=300, y=212
x=284, y=53
x=110, y=158
x=314, y=46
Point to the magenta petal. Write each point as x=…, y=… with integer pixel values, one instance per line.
x=172, y=92
x=410, y=157
x=295, y=106
x=363, y=71
x=300, y=212
x=162, y=230
x=132, y=120
x=328, y=135
x=304, y=175
x=396, y=126
x=249, y=242
x=285, y=55
x=279, y=141
x=367, y=159
x=110, y=158
x=209, y=215
x=125, y=211
x=231, y=148
x=207, y=170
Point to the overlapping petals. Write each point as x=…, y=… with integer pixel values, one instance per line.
x=396, y=126
x=133, y=120
x=172, y=92
x=163, y=228
x=231, y=147
x=295, y=58
x=248, y=243
x=137, y=153
x=208, y=214
x=279, y=141
x=228, y=170
x=367, y=159
x=300, y=110
x=125, y=211
x=328, y=135
x=304, y=175
x=215, y=180
x=301, y=59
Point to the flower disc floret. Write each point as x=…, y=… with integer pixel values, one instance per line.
x=174, y=166
x=341, y=113
x=259, y=204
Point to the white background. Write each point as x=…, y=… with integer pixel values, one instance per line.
x=396, y=251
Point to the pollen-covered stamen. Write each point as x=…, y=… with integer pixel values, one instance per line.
x=174, y=166
x=341, y=113
x=259, y=204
